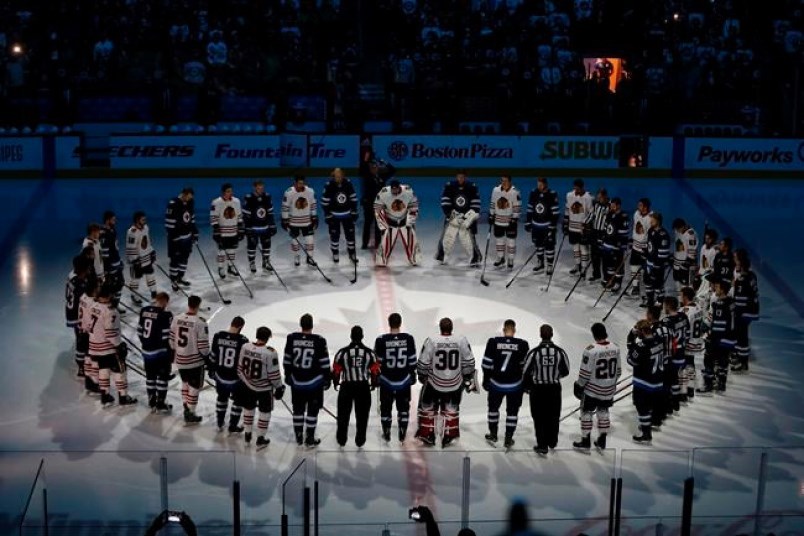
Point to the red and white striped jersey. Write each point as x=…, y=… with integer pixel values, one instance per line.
x=695, y=317
x=445, y=360
x=227, y=215
x=189, y=339
x=600, y=368
x=103, y=326
x=138, y=245
x=84, y=305
x=577, y=209
x=97, y=264
x=396, y=210
x=258, y=367
x=639, y=234
x=299, y=208
x=505, y=206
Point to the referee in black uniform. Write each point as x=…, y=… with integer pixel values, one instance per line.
x=545, y=365
x=596, y=227
x=355, y=369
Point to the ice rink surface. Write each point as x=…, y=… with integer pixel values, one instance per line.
x=107, y=460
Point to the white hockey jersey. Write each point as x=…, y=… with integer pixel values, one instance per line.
x=707, y=258
x=600, y=369
x=396, y=210
x=103, y=326
x=505, y=206
x=685, y=250
x=85, y=304
x=97, y=264
x=445, y=360
x=189, y=339
x=258, y=367
x=227, y=215
x=695, y=342
x=639, y=234
x=138, y=246
x=299, y=209
x=577, y=209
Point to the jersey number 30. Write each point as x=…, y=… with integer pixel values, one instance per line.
x=446, y=359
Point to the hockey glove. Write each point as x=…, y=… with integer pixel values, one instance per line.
x=241, y=232
x=565, y=225
x=577, y=390
x=327, y=384
x=285, y=225
x=216, y=234
x=122, y=351
x=528, y=227
x=152, y=257
x=279, y=392
x=315, y=223
x=272, y=230
x=354, y=217
x=469, y=383
x=336, y=384
x=491, y=219
x=412, y=378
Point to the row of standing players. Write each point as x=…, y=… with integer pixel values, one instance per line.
x=661, y=351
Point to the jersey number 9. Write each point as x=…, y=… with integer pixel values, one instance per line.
x=147, y=324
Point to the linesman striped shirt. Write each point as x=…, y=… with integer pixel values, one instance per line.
x=355, y=363
x=596, y=220
x=546, y=364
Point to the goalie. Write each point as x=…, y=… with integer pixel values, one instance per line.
x=396, y=209
x=460, y=202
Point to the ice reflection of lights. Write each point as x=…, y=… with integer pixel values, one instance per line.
x=24, y=269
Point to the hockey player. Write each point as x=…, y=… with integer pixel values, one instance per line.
x=306, y=364
x=657, y=257
x=182, y=233
x=85, y=304
x=258, y=219
x=374, y=174
x=460, y=203
x=260, y=383
x=140, y=256
x=339, y=202
x=396, y=209
x=541, y=220
x=661, y=331
x=595, y=386
x=228, y=229
x=595, y=229
x=746, y=308
x=645, y=355
x=300, y=218
x=446, y=367
x=545, y=366
x=685, y=253
x=223, y=369
x=92, y=240
x=189, y=339
x=577, y=208
x=639, y=243
x=503, y=370
x=614, y=245
x=708, y=251
x=678, y=325
x=694, y=345
x=723, y=264
x=354, y=369
x=110, y=253
x=107, y=350
x=396, y=353
x=75, y=288
x=506, y=204
x=720, y=340
x=153, y=330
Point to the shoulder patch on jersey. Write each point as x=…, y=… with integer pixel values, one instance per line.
x=585, y=359
x=590, y=346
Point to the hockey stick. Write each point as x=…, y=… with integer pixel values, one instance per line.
x=521, y=268
x=237, y=271
x=555, y=263
x=130, y=308
x=581, y=277
x=310, y=259
x=140, y=296
x=620, y=297
x=271, y=267
x=159, y=266
x=354, y=279
x=611, y=279
x=485, y=260
x=618, y=391
x=215, y=283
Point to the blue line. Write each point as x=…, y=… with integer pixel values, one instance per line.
x=20, y=224
x=781, y=286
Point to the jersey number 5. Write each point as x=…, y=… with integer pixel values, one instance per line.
x=182, y=342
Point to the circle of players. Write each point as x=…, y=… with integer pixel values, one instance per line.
x=718, y=299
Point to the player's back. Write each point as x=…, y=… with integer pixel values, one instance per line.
x=601, y=364
x=396, y=353
x=190, y=340
x=226, y=348
x=646, y=356
x=306, y=360
x=153, y=329
x=447, y=357
x=258, y=367
x=104, y=329
x=503, y=362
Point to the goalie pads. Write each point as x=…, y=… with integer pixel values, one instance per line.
x=577, y=390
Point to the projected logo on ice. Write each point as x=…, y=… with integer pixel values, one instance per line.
x=335, y=313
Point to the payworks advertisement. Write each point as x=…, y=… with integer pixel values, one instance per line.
x=744, y=154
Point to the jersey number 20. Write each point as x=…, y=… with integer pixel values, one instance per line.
x=606, y=368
